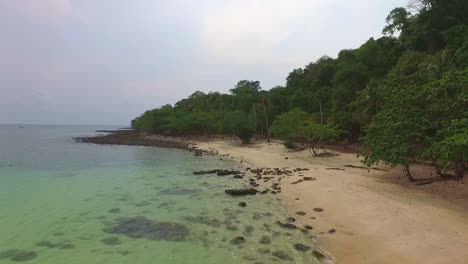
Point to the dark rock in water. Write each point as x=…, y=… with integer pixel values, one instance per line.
x=111, y=241
x=265, y=240
x=318, y=210
x=18, y=255
x=308, y=227
x=142, y=227
x=281, y=255
x=332, y=231
x=238, y=176
x=301, y=247
x=198, y=153
x=291, y=220
x=177, y=191
x=45, y=243
x=203, y=220
x=263, y=250
x=301, y=213
x=238, y=240
x=227, y=172
x=242, y=204
x=8, y=253
x=64, y=245
x=141, y=204
x=114, y=210
x=206, y=172
x=286, y=225
x=318, y=254
x=241, y=192
x=248, y=230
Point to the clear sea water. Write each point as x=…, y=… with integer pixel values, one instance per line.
x=57, y=196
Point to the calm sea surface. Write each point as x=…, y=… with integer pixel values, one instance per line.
x=64, y=202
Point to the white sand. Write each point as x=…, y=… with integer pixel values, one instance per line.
x=379, y=217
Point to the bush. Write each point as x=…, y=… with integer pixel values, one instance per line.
x=289, y=144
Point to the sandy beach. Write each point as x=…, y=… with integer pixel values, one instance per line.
x=378, y=216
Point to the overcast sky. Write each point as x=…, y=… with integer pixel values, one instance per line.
x=107, y=61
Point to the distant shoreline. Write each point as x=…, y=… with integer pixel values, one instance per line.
x=135, y=138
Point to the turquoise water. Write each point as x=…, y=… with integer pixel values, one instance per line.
x=61, y=202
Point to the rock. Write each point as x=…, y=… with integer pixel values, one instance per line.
x=142, y=227
x=227, y=172
x=111, y=241
x=198, y=153
x=265, y=240
x=309, y=178
x=242, y=204
x=332, y=231
x=301, y=213
x=318, y=210
x=248, y=230
x=204, y=220
x=45, y=243
x=318, y=254
x=18, y=255
x=296, y=182
x=286, y=225
x=114, y=210
x=263, y=250
x=177, y=191
x=291, y=220
x=238, y=176
x=308, y=227
x=241, y=192
x=301, y=247
x=281, y=255
x=286, y=158
x=206, y=172
x=238, y=240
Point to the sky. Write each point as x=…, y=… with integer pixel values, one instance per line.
x=107, y=61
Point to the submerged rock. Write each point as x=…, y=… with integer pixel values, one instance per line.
x=177, y=191
x=242, y=204
x=281, y=255
x=142, y=227
x=203, y=220
x=18, y=255
x=227, y=172
x=265, y=240
x=301, y=247
x=111, y=241
x=114, y=210
x=286, y=225
x=238, y=240
x=241, y=192
x=318, y=210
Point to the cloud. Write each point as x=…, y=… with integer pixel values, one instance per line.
x=38, y=9
x=249, y=30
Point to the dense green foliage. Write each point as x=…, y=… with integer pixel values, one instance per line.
x=403, y=96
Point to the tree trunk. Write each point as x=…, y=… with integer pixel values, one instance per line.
x=256, y=124
x=266, y=120
x=312, y=151
x=408, y=173
x=460, y=168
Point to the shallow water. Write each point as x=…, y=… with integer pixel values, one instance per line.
x=60, y=199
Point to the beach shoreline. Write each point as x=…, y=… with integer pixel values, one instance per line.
x=369, y=216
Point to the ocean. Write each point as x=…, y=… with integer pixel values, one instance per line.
x=66, y=202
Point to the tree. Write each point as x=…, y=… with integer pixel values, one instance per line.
x=299, y=125
x=240, y=125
